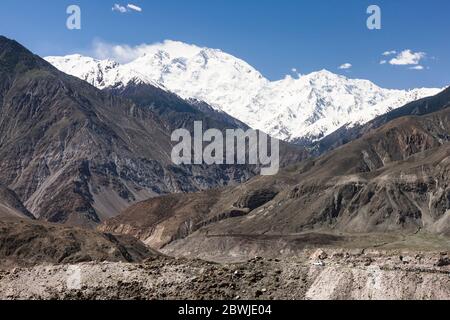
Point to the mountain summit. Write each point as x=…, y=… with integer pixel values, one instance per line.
x=302, y=109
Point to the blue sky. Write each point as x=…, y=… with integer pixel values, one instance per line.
x=274, y=36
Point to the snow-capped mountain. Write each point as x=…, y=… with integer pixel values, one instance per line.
x=309, y=107
x=100, y=73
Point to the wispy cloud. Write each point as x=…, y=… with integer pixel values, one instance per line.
x=389, y=53
x=119, y=8
x=119, y=53
x=345, y=66
x=124, y=53
x=128, y=8
x=407, y=57
x=134, y=7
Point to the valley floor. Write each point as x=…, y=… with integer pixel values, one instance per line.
x=314, y=274
x=240, y=247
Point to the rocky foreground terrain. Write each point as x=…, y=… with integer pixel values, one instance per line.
x=316, y=274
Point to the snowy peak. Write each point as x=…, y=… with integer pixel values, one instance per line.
x=308, y=107
x=99, y=73
x=201, y=73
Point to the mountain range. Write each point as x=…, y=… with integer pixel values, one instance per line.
x=301, y=109
x=393, y=180
x=85, y=163
x=75, y=154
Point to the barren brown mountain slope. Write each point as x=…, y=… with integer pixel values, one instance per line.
x=24, y=242
x=11, y=206
x=395, y=179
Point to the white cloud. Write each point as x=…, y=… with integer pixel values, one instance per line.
x=389, y=53
x=124, y=9
x=383, y=62
x=407, y=57
x=417, y=67
x=345, y=66
x=296, y=73
x=124, y=53
x=134, y=7
x=119, y=8
x=119, y=53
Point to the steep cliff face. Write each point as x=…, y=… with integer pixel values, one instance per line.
x=63, y=142
x=74, y=154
